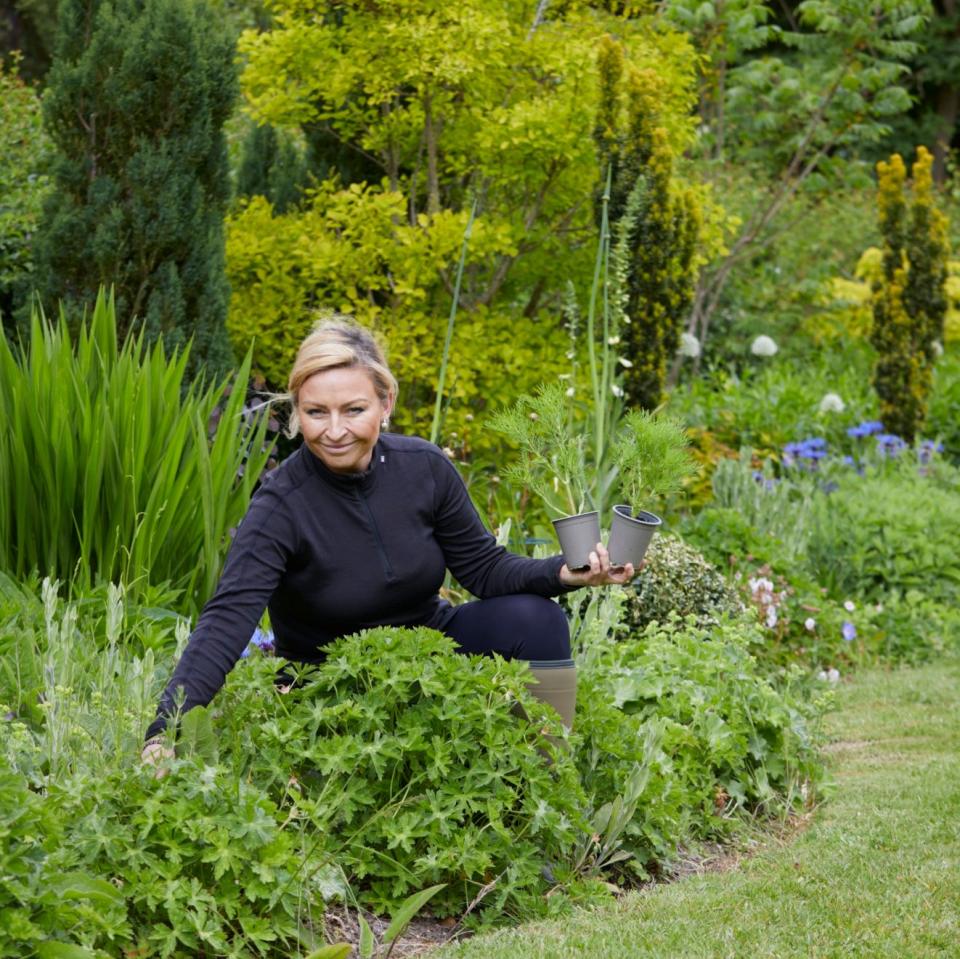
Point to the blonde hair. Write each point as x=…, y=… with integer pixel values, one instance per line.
x=337, y=342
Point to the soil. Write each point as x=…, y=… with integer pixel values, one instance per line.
x=425, y=934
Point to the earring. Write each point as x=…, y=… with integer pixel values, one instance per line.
x=384, y=423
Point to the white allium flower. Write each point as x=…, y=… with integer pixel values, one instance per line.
x=810, y=624
x=570, y=391
x=616, y=390
x=689, y=345
x=623, y=361
x=613, y=340
x=763, y=345
x=831, y=403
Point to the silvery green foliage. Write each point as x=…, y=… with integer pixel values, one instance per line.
x=677, y=579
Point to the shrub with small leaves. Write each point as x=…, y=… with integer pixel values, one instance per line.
x=677, y=579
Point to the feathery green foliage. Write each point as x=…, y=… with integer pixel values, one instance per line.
x=553, y=455
x=136, y=101
x=109, y=471
x=652, y=456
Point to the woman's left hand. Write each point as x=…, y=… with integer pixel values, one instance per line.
x=600, y=573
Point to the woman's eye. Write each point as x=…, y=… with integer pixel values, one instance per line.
x=357, y=409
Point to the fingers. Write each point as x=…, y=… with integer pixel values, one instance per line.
x=157, y=754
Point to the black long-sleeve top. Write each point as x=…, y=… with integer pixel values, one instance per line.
x=330, y=554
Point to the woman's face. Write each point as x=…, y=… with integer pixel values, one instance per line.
x=340, y=415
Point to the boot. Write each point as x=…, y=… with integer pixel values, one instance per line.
x=556, y=684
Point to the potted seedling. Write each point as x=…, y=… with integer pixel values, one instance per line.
x=552, y=465
x=652, y=457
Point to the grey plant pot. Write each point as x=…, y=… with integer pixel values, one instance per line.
x=630, y=535
x=578, y=537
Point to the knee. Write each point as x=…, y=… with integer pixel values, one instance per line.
x=542, y=629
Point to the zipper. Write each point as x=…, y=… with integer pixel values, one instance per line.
x=387, y=568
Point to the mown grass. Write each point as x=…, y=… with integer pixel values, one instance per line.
x=877, y=873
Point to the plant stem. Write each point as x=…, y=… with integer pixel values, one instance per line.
x=598, y=271
x=435, y=426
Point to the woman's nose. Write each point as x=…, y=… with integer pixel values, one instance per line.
x=335, y=425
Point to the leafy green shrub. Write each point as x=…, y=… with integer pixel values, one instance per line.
x=768, y=407
x=205, y=862
x=943, y=420
x=889, y=530
x=109, y=471
x=693, y=706
x=677, y=579
x=24, y=158
x=411, y=759
x=42, y=907
x=912, y=628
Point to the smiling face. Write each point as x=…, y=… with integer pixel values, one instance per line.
x=340, y=414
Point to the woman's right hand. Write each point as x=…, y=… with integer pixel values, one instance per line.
x=157, y=754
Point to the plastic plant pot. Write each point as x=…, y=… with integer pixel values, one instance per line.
x=578, y=537
x=630, y=535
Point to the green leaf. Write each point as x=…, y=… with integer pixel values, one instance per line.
x=63, y=950
x=367, y=942
x=197, y=735
x=408, y=909
x=78, y=885
x=337, y=950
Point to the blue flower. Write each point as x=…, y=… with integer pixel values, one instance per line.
x=262, y=640
x=890, y=445
x=807, y=452
x=927, y=450
x=867, y=428
x=849, y=631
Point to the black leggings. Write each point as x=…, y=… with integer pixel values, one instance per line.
x=520, y=626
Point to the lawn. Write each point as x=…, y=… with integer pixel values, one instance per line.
x=876, y=873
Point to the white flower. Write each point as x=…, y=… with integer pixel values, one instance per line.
x=937, y=348
x=689, y=345
x=833, y=675
x=623, y=361
x=763, y=346
x=760, y=584
x=613, y=340
x=771, y=617
x=570, y=391
x=849, y=605
x=810, y=623
x=831, y=403
x=616, y=390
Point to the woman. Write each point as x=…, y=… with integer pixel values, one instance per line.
x=356, y=529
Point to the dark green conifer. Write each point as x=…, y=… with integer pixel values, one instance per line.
x=137, y=97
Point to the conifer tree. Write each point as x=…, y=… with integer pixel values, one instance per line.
x=909, y=299
x=137, y=97
x=665, y=228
